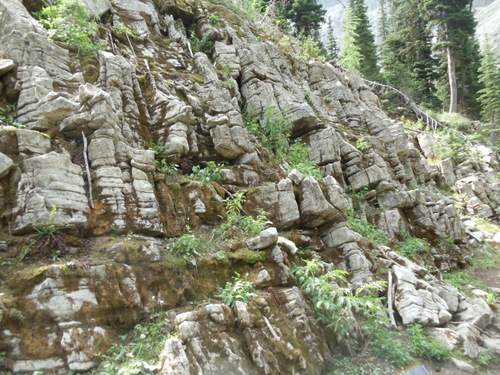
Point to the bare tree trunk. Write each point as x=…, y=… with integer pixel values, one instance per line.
x=452, y=76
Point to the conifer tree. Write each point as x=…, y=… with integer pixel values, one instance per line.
x=306, y=16
x=332, y=48
x=359, y=52
x=489, y=76
x=407, y=60
x=458, y=49
x=383, y=21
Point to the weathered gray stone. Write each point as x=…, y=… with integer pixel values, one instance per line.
x=6, y=164
x=267, y=238
x=32, y=142
x=231, y=142
x=174, y=359
x=279, y=200
x=314, y=208
x=6, y=65
x=446, y=336
x=338, y=236
x=48, y=181
x=463, y=366
x=416, y=300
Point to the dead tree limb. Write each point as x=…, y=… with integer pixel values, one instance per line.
x=427, y=119
x=89, y=179
x=390, y=298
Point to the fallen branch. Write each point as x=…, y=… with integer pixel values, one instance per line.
x=270, y=327
x=390, y=299
x=89, y=180
x=427, y=119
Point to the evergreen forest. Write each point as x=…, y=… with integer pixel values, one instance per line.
x=429, y=53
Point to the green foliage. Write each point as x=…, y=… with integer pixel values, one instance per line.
x=335, y=305
x=310, y=49
x=229, y=84
x=236, y=217
x=272, y=131
x=7, y=117
x=412, y=247
x=361, y=365
x=407, y=60
x=49, y=240
x=137, y=353
x=298, y=158
x=208, y=174
x=238, y=290
x=387, y=344
x=132, y=33
x=201, y=45
x=188, y=247
x=69, y=21
x=369, y=232
x=362, y=145
x=306, y=16
x=453, y=146
x=332, y=48
x=213, y=19
x=489, y=76
x=167, y=168
x=424, y=346
x=359, y=52
x=462, y=279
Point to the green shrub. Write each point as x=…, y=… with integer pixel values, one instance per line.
x=69, y=21
x=48, y=240
x=188, y=247
x=412, y=247
x=213, y=19
x=369, y=232
x=385, y=344
x=167, y=168
x=362, y=145
x=310, y=49
x=7, y=117
x=272, y=131
x=201, y=45
x=426, y=347
x=298, y=158
x=238, y=290
x=453, y=146
x=137, y=354
x=208, y=174
x=236, y=217
x=335, y=306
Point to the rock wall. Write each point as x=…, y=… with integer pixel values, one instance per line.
x=105, y=112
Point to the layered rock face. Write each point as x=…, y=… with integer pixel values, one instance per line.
x=83, y=162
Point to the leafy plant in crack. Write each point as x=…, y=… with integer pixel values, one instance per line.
x=336, y=306
x=369, y=232
x=208, y=174
x=49, y=241
x=7, y=117
x=188, y=247
x=69, y=21
x=248, y=225
x=137, y=353
x=201, y=45
x=238, y=290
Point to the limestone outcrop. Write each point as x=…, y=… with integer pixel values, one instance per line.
x=126, y=152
